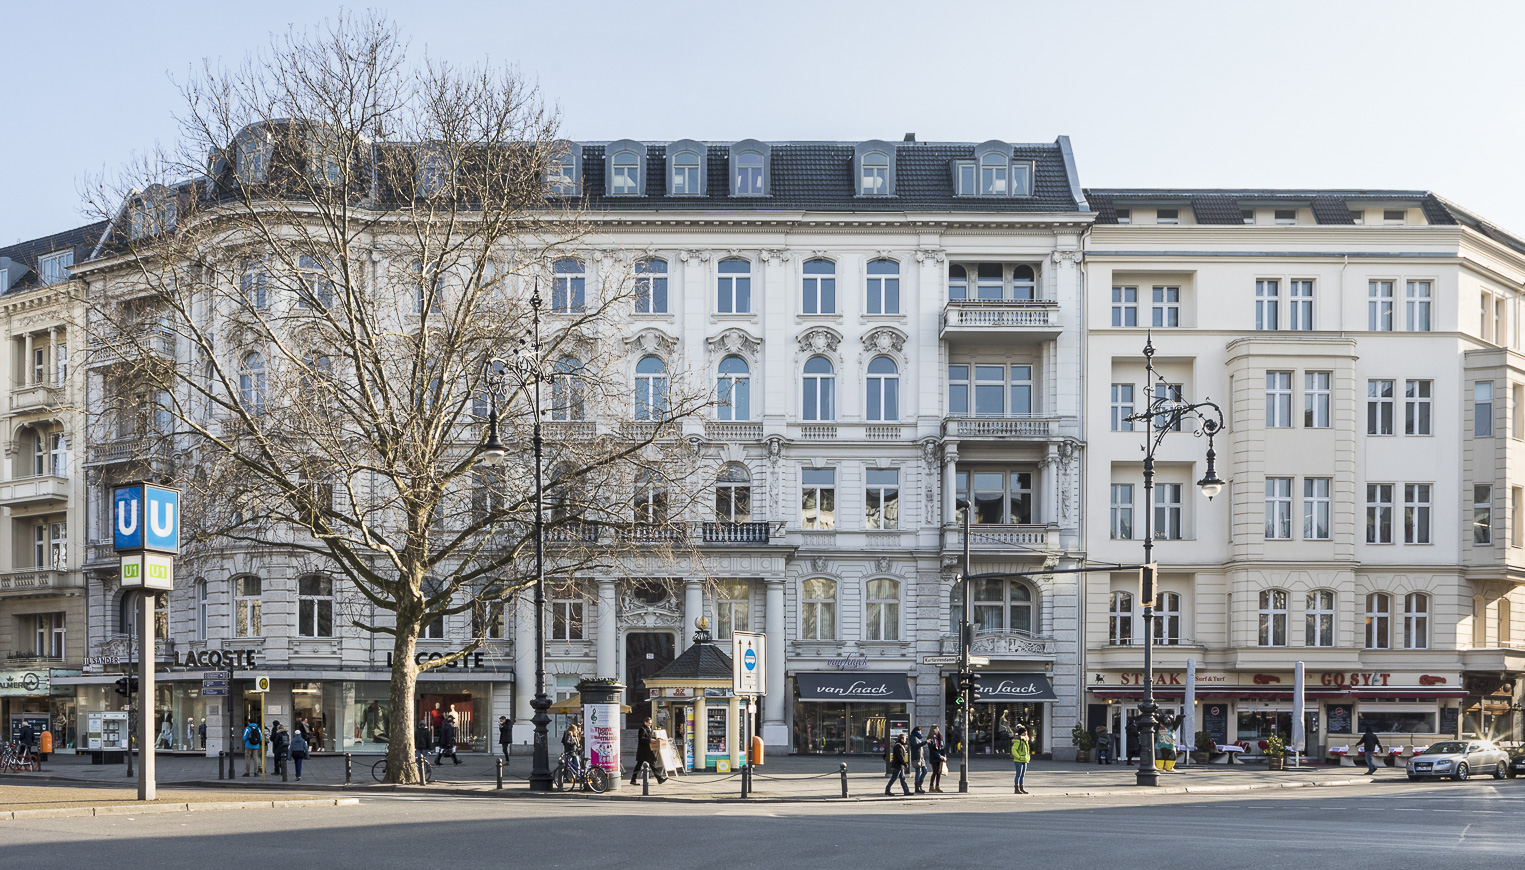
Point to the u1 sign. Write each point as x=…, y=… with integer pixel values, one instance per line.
x=147, y=517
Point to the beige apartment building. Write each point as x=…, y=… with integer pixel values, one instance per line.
x=1364, y=347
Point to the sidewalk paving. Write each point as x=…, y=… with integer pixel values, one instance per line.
x=782, y=778
x=47, y=800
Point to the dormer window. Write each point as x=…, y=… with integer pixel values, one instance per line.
x=993, y=172
x=54, y=268
x=152, y=213
x=563, y=170
x=965, y=175
x=251, y=158
x=1167, y=216
x=430, y=174
x=685, y=174
x=1124, y=215
x=749, y=173
x=1286, y=216
x=1247, y=215
x=875, y=180
x=625, y=168
x=993, y=175
x=1394, y=216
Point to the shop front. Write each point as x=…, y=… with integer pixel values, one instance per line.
x=851, y=713
x=33, y=696
x=1006, y=701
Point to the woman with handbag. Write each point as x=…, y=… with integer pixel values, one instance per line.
x=936, y=759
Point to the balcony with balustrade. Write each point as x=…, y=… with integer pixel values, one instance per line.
x=1011, y=427
x=1010, y=321
x=1004, y=644
x=1002, y=538
x=43, y=490
x=39, y=581
x=151, y=341
x=37, y=397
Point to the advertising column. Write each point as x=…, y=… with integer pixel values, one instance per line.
x=601, y=726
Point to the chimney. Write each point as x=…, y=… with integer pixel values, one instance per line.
x=909, y=137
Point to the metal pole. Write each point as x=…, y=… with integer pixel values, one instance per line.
x=500, y=773
x=966, y=618
x=348, y=768
x=844, y=779
x=540, y=769
x=147, y=788
x=1147, y=775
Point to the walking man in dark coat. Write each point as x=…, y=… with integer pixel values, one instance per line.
x=1370, y=742
x=447, y=741
x=646, y=750
x=900, y=759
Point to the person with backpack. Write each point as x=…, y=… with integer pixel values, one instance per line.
x=254, y=743
x=279, y=741
x=1021, y=755
x=298, y=752
x=900, y=759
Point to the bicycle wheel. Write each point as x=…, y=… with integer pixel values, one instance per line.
x=379, y=771
x=559, y=780
x=598, y=779
x=428, y=772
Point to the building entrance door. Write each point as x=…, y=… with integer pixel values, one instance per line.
x=646, y=652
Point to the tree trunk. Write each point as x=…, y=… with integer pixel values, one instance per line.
x=400, y=764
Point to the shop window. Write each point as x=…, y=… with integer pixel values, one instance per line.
x=1394, y=721
x=818, y=609
x=883, y=609
x=315, y=606
x=733, y=610
x=248, y=606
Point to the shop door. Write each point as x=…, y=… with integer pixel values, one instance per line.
x=646, y=652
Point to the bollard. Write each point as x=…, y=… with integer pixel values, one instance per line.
x=420, y=761
x=844, y=779
x=500, y=773
x=219, y=765
x=285, y=762
x=645, y=779
x=746, y=775
x=348, y=768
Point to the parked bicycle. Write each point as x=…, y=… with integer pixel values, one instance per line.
x=594, y=779
x=14, y=756
x=379, y=769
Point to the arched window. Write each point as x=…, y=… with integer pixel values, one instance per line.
x=251, y=158
x=315, y=606
x=750, y=174
x=1273, y=617
x=248, y=606
x=733, y=494
x=820, y=388
x=883, y=389
x=1120, y=619
x=651, y=286
x=130, y=613
x=251, y=383
x=883, y=287
x=1024, y=283
x=625, y=177
x=876, y=174
x=993, y=169
x=650, y=499
x=818, y=609
x=1167, y=618
x=569, y=287
x=958, y=282
x=883, y=609
x=734, y=293
x=1379, y=614
x=1003, y=605
x=567, y=390
x=1416, y=620
x=561, y=175
x=252, y=285
x=819, y=294
x=1319, y=618
x=685, y=174
x=650, y=389
x=316, y=289
x=733, y=388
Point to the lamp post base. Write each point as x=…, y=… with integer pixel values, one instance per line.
x=540, y=767
x=1149, y=777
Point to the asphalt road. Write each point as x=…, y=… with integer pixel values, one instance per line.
x=1452, y=825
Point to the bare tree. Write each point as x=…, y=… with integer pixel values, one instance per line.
x=295, y=315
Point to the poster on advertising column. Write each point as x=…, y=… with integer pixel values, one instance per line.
x=600, y=727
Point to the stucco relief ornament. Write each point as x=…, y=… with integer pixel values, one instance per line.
x=819, y=341
x=1067, y=453
x=884, y=340
x=1067, y=257
x=652, y=340
x=934, y=254
x=701, y=256
x=882, y=564
x=735, y=341
x=633, y=611
x=775, y=474
x=817, y=564
x=929, y=477
x=774, y=255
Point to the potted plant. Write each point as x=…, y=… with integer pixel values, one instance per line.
x=1276, y=752
x=1083, y=742
x=1206, y=746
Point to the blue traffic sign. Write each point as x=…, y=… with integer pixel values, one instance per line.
x=749, y=660
x=147, y=517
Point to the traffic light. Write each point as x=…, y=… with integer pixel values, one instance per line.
x=126, y=685
x=972, y=689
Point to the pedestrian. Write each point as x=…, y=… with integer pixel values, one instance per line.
x=956, y=737
x=280, y=739
x=1103, y=745
x=936, y=758
x=370, y=721
x=298, y=752
x=1371, y=744
x=1021, y=754
x=447, y=741
x=647, y=750
x=1130, y=732
x=423, y=737
x=571, y=746
x=918, y=747
x=900, y=759
x=25, y=735
x=253, y=744
x=505, y=736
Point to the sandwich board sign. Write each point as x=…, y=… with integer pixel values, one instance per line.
x=747, y=663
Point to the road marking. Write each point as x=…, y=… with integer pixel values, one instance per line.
x=1463, y=834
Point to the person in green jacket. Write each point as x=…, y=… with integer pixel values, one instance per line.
x=1021, y=754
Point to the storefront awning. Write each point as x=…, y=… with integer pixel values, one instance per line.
x=1016, y=687
x=853, y=687
x=1259, y=693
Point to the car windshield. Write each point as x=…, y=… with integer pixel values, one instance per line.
x=1438, y=748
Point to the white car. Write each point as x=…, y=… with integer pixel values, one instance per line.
x=1459, y=759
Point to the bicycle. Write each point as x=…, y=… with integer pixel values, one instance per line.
x=594, y=779
x=379, y=769
x=15, y=757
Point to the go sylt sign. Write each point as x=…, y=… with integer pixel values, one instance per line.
x=146, y=534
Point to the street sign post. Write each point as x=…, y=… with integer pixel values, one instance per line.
x=747, y=663
x=977, y=661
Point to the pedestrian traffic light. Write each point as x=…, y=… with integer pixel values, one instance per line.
x=973, y=692
x=126, y=685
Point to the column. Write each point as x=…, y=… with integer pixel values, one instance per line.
x=50, y=365
x=608, y=630
x=775, y=731
x=693, y=608
x=1051, y=483
x=524, y=669
x=26, y=364
x=950, y=484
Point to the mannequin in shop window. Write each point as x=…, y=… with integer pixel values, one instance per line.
x=370, y=721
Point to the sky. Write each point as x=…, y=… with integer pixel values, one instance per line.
x=1152, y=94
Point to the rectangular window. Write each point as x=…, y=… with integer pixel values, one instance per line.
x=1482, y=409
x=958, y=390
x=1278, y=508
x=1300, y=305
x=315, y=606
x=1267, y=304
x=60, y=364
x=882, y=501
x=1122, y=512
x=1122, y=407
x=1124, y=215
x=1500, y=332
x=247, y=606
x=1279, y=400
x=39, y=365
x=1517, y=411
x=567, y=616
x=1167, y=216
x=1125, y=306
x=1273, y=617
x=1416, y=407
x=1379, y=513
x=1379, y=407
x=818, y=498
x=1167, y=511
x=1482, y=514
x=1517, y=516
x=1416, y=513
x=1316, y=400
x=733, y=608
x=1001, y=391
x=1316, y=508
x=1285, y=216
x=1417, y=306
x=1167, y=306
x=54, y=268
x=1394, y=215
x=999, y=497
x=966, y=178
x=1172, y=393
x=1379, y=306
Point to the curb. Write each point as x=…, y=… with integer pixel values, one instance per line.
x=153, y=809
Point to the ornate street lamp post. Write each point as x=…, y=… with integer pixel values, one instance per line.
x=1165, y=413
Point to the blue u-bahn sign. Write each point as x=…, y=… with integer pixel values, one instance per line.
x=146, y=517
